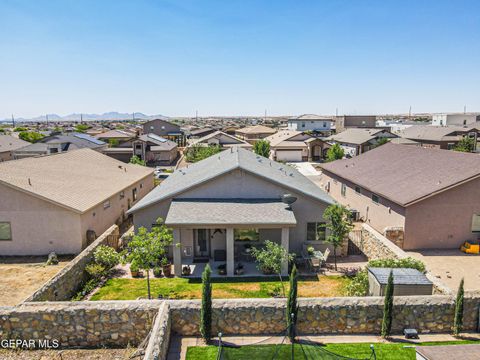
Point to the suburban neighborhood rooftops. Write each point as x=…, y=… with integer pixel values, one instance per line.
x=257, y=129
x=401, y=276
x=406, y=174
x=356, y=136
x=69, y=141
x=160, y=142
x=10, y=143
x=282, y=136
x=434, y=133
x=115, y=134
x=229, y=211
x=227, y=161
x=218, y=133
x=77, y=180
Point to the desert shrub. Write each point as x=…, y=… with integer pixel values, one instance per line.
x=106, y=256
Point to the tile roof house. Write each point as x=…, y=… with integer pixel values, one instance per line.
x=254, y=133
x=54, y=144
x=221, y=139
x=45, y=208
x=356, y=141
x=426, y=198
x=294, y=146
x=8, y=144
x=222, y=205
x=441, y=137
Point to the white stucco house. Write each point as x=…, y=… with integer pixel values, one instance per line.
x=219, y=207
x=310, y=122
x=458, y=119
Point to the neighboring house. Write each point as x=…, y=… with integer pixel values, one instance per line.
x=155, y=150
x=221, y=206
x=417, y=197
x=61, y=202
x=294, y=146
x=403, y=141
x=8, y=144
x=221, y=139
x=166, y=130
x=310, y=122
x=356, y=141
x=60, y=143
x=459, y=119
x=254, y=133
x=441, y=137
x=354, y=121
x=199, y=133
x=118, y=136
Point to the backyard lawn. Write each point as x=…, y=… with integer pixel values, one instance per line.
x=383, y=351
x=181, y=288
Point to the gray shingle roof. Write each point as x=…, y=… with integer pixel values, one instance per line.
x=225, y=162
x=10, y=143
x=229, y=211
x=161, y=144
x=401, y=276
x=356, y=136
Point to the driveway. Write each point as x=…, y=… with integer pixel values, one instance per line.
x=450, y=266
x=21, y=276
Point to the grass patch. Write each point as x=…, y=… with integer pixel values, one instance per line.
x=390, y=351
x=182, y=288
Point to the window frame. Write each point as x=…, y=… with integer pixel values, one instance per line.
x=9, y=226
x=134, y=194
x=358, y=189
x=317, y=225
x=343, y=190
x=122, y=194
x=376, y=196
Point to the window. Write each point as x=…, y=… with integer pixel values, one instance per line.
x=375, y=198
x=324, y=124
x=303, y=124
x=152, y=127
x=246, y=235
x=344, y=189
x=141, y=185
x=106, y=204
x=122, y=194
x=475, y=223
x=316, y=231
x=134, y=194
x=357, y=190
x=5, y=231
x=450, y=146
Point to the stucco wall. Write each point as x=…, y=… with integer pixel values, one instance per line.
x=379, y=216
x=444, y=220
x=38, y=227
x=6, y=155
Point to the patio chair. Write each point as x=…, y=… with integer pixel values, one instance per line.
x=315, y=264
x=325, y=256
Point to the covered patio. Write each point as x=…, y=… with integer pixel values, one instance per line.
x=220, y=231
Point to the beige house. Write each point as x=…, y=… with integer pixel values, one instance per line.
x=61, y=202
x=219, y=138
x=295, y=146
x=8, y=144
x=417, y=197
x=254, y=133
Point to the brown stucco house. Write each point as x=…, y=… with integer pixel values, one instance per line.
x=254, y=133
x=440, y=137
x=60, y=202
x=294, y=146
x=221, y=206
x=419, y=198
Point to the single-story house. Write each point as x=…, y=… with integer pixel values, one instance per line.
x=221, y=206
x=419, y=198
x=59, y=143
x=356, y=141
x=440, y=137
x=114, y=135
x=61, y=202
x=8, y=144
x=294, y=146
x=221, y=139
x=254, y=133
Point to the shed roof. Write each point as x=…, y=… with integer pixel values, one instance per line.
x=229, y=211
x=401, y=276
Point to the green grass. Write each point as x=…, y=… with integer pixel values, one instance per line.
x=181, y=288
x=384, y=351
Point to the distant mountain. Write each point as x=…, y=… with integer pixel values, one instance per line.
x=112, y=115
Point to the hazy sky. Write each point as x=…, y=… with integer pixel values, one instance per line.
x=239, y=57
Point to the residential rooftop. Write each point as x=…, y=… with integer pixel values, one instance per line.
x=356, y=136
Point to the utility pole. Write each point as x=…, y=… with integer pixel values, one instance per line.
x=13, y=121
x=265, y=117
x=46, y=117
x=196, y=115
x=336, y=112
x=133, y=116
x=410, y=112
x=81, y=118
x=464, y=109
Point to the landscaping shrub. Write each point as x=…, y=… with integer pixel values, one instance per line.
x=157, y=271
x=292, y=307
x=197, y=153
x=388, y=307
x=359, y=284
x=262, y=148
x=106, y=256
x=52, y=259
x=206, y=309
x=408, y=262
x=95, y=271
x=89, y=286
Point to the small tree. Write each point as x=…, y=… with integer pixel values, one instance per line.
x=292, y=308
x=458, y=320
x=271, y=258
x=113, y=142
x=137, y=161
x=335, y=152
x=206, y=310
x=467, y=144
x=381, y=141
x=148, y=248
x=388, y=307
x=30, y=136
x=339, y=223
x=262, y=148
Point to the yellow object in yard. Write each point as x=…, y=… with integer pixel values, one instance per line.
x=469, y=248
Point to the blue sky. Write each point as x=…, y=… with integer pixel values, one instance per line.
x=238, y=57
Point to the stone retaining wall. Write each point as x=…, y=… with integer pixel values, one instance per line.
x=66, y=283
x=157, y=348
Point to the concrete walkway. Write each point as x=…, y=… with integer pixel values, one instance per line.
x=178, y=344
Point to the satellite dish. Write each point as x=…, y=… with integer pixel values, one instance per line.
x=288, y=199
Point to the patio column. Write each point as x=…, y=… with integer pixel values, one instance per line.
x=285, y=245
x=230, y=252
x=177, y=253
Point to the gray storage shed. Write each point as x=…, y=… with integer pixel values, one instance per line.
x=406, y=282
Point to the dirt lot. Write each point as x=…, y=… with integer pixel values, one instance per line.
x=450, y=266
x=21, y=276
x=78, y=354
